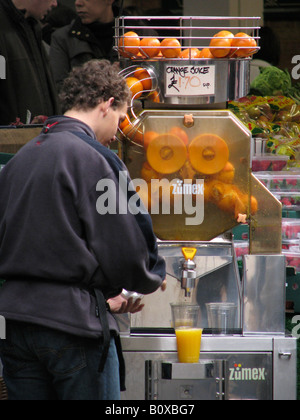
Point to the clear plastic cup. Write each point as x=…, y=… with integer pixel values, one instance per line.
x=186, y=322
x=221, y=316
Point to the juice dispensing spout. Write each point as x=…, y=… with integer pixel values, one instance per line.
x=188, y=275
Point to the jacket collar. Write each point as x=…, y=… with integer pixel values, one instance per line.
x=80, y=31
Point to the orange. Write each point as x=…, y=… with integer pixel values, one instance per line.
x=166, y=154
x=190, y=53
x=135, y=86
x=230, y=202
x=147, y=173
x=129, y=44
x=148, y=137
x=179, y=132
x=208, y=153
x=253, y=205
x=171, y=48
x=144, y=78
x=224, y=34
x=150, y=47
x=154, y=96
x=124, y=123
x=133, y=134
x=227, y=174
x=205, y=53
x=222, y=40
x=240, y=43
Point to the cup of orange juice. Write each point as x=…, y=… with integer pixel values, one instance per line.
x=186, y=322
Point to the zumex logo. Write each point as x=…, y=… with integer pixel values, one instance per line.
x=2, y=328
x=2, y=67
x=176, y=196
x=240, y=373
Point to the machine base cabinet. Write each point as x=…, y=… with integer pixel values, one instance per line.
x=170, y=380
x=230, y=368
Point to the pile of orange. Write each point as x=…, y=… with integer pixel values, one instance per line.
x=131, y=131
x=139, y=82
x=144, y=77
x=131, y=46
x=223, y=44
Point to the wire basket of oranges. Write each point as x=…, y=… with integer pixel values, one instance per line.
x=186, y=38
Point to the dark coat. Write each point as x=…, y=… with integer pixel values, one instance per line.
x=77, y=43
x=56, y=243
x=29, y=83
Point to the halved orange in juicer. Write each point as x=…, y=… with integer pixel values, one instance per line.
x=208, y=153
x=166, y=153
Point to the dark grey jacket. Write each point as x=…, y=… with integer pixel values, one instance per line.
x=55, y=246
x=29, y=84
x=77, y=43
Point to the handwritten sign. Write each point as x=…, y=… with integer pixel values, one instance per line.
x=190, y=80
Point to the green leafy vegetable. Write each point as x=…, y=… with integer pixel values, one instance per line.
x=273, y=82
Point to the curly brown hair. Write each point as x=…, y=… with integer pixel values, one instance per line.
x=92, y=83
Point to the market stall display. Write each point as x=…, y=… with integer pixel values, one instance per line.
x=274, y=122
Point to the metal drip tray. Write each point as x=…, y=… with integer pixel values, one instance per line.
x=202, y=370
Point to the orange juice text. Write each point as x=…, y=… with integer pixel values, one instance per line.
x=188, y=344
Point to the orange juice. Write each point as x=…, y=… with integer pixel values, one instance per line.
x=188, y=344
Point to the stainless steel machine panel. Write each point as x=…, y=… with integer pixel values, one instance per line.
x=230, y=79
x=264, y=294
x=234, y=376
x=255, y=368
x=170, y=380
x=217, y=280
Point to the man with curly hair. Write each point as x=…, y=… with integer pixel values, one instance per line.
x=65, y=263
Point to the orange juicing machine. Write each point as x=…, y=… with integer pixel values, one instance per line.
x=190, y=160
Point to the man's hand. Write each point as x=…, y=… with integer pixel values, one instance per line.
x=120, y=305
x=163, y=285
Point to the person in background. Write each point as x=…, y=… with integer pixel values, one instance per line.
x=89, y=36
x=268, y=54
x=28, y=88
x=65, y=254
